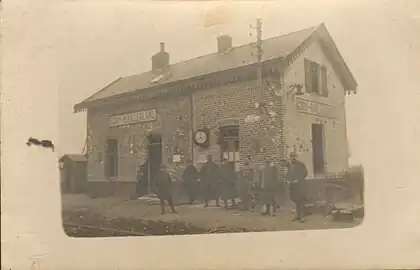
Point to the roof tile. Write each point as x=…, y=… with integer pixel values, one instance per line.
x=276, y=47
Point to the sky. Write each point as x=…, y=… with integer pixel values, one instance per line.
x=95, y=42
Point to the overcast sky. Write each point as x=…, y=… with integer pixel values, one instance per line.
x=94, y=42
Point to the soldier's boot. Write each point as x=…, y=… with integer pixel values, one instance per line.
x=273, y=208
x=267, y=210
x=225, y=203
x=162, y=207
x=206, y=203
x=217, y=202
x=171, y=204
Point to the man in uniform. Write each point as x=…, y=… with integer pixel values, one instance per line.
x=162, y=186
x=142, y=179
x=190, y=177
x=269, y=187
x=296, y=174
x=210, y=177
x=228, y=184
x=246, y=182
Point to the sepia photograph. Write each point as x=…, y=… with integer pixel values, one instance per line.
x=209, y=134
x=250, y=135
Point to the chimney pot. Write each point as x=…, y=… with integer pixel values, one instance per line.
x=224, y=43
x=160, y=60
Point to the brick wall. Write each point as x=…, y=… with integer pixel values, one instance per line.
x=236, y=101
x=173, y=123
x=298, y=126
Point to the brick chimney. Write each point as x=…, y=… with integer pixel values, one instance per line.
x=160, y=60
x=224, y=43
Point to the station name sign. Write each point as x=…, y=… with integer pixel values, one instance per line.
x=132, y=118
x=315, y=108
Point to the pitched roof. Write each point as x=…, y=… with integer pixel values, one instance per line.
x=75, y=157
x=277, y=47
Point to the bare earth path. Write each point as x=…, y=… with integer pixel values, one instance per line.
x=204, y=218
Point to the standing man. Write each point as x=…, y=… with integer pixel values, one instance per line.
x=142, y=181
x=190, y=177
x=228, y=184
x=269, y=187
x=162, y=186
x=245, y=185
x=296, y=174
x=210, y=176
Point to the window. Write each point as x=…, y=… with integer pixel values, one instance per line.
x=316, y=78
x=229, y=145
x=324, y=84
x=111, y=162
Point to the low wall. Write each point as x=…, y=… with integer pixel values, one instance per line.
x=334, y=188
x=110, y=189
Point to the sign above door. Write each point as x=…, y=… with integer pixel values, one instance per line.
x=132, y=118
x=304, y=106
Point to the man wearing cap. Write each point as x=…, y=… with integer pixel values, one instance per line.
x=162, y=186
x=142, y=179
x=269, y=186
x=296, y=174
x=190, y=177
x=246, y=182
x=228, y=184
x=210, y=177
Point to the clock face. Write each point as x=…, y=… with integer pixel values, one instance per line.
x=200, y=137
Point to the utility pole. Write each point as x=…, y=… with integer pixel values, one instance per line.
x=260, y=105
x=259, y=59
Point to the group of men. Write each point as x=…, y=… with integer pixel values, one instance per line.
x=214, y=182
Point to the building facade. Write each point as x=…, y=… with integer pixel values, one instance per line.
x=213, y=105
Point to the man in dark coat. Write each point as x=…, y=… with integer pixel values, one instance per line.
x=210, y=177
x=269, y=187
x=246, y=182
x=190, y=177
x=296, y=174
x=162, y=186
x=228, y=184
x=142, y=178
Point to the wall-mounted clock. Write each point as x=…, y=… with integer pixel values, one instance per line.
x=201, y=138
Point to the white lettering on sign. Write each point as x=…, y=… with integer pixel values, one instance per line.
x=315, y=108
x=131, y=118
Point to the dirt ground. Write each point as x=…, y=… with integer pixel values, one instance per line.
x=196, y=215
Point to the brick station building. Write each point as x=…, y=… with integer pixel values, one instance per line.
x=213, y=105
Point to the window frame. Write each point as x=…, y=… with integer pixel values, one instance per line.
x=316, y=78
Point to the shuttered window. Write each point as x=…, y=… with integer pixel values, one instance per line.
x=315, y=72
x=324, y=82
x=316, y=78
x=308, y=76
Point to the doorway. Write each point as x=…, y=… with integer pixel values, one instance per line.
x=111, y=162
x=318, y=148
x=154, y=157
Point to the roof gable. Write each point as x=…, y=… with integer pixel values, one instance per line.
x=274, y=48
x=336, y=58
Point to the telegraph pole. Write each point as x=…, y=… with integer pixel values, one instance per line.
x=259, y=59
x=260, y=105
